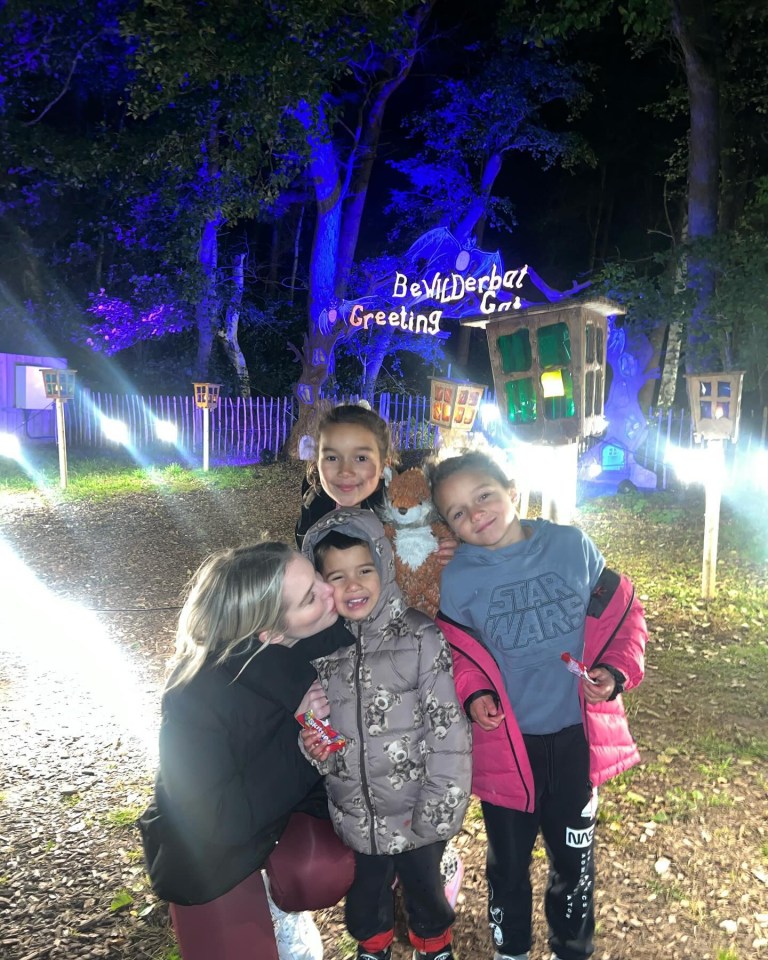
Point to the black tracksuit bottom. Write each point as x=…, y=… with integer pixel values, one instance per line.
x=565, y=813
x=369, y=906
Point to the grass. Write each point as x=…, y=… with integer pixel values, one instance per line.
x=173, y=953
x=346, y=946
x=121, y=899
x=123, y=817
x=118, y=474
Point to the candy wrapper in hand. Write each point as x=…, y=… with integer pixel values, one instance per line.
x=328, y=736
x=577, y=667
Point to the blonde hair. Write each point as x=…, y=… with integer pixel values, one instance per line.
x=234, y=595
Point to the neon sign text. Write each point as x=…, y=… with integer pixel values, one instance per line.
x=405, y=319
x=443, y=289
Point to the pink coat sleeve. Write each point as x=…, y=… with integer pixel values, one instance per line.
x=619, y=636
x=468, y=677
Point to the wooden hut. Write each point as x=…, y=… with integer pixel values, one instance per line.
x=24, y=408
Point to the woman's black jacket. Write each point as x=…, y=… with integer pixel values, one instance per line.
x=231, y=771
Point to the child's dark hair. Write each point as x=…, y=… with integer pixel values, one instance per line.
x=475, y=460
x=352, y=413
x=335, y=541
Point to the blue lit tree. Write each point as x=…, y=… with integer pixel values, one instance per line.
x=472, y=123
x=257, y=93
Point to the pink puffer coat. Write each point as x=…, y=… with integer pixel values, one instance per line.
x=615, y=634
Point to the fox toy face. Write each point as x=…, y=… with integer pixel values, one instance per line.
x=412, y=525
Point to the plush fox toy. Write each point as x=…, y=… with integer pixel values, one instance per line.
x=412, y=525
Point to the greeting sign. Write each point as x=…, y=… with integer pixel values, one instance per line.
x=437, y=275
x=442, y=290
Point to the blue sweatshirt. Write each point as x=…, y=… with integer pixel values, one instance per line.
x=527, y=603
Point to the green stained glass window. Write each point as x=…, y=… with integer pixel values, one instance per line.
x=554, y=345
x=521, y=401
x=515, y=350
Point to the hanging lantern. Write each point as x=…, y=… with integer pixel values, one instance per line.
x=454, y=405
x=715, y=400
x=549, y=368
x=59, y=383
x=207, y=395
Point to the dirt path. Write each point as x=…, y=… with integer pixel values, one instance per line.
x=683, y=843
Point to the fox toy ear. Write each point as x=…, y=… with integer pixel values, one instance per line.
x=387, y=473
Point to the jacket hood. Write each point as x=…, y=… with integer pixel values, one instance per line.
x=364, y=525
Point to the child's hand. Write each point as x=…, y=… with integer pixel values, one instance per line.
x=446, y=547
x=486, y=712
x=602, y=687
x=314, y=746
x=316, y=701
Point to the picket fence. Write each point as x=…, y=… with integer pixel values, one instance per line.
x=242, y=430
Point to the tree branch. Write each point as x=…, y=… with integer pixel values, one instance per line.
x=65, y=88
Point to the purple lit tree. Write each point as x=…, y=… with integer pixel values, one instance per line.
x=251, y=96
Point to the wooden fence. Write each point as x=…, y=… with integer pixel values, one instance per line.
x=239, y=428
x=242, y=429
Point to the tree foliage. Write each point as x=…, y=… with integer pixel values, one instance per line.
x=472, y=122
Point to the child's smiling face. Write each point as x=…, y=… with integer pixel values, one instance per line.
x=355, y=581
x=350, y=463
x=479, y=509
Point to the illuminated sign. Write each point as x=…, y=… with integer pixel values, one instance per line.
x=456, y=286
x=495, y=290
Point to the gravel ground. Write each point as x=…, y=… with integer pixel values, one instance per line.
x=89, y=596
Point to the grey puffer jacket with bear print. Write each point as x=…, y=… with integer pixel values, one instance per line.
x=403, y=779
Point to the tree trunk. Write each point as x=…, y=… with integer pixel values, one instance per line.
x=340, y=203
x=692, y=28
x=296, y=249
x=207, y=310
x=473, y=224
x=230, y=340
x=360, y=163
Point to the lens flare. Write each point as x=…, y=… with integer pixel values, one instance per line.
x=10, y=446
x=58, y=637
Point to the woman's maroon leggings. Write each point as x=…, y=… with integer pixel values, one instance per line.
x=309, y=869
x=235, y=926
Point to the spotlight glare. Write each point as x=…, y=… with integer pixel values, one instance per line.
x=489, y=413
x=166, y=431
x=10, y=446
x=115, y=430
x=688, y=464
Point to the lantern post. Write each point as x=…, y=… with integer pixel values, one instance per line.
x=548, y=366
x=60, y=387
x=715, y=401
x=206, y=399
x=453, y=406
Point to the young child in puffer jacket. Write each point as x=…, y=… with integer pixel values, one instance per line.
x=518, y=598
x=399, y=788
